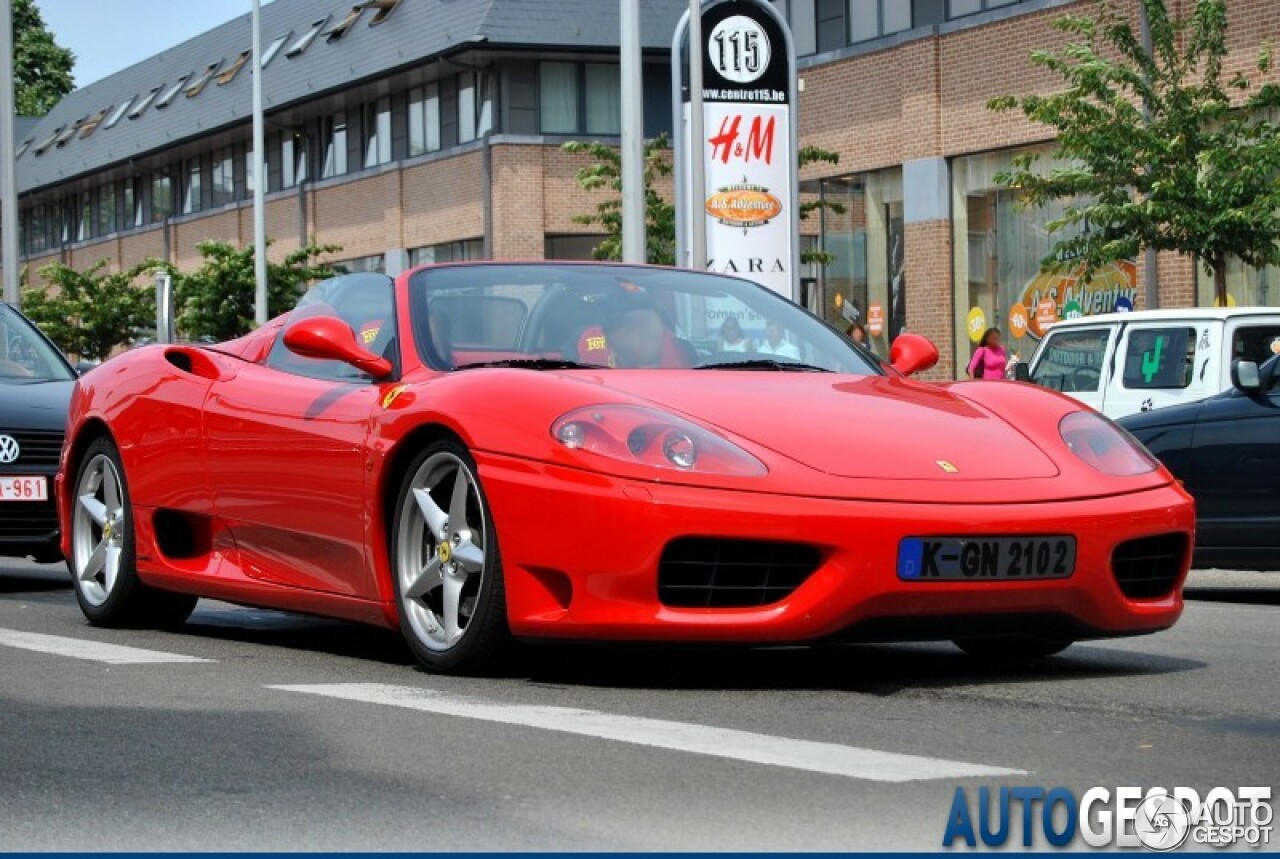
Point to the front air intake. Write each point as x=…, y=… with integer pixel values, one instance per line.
x=1147, y=568
x=707, y=572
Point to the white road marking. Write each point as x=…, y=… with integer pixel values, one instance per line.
x=829, y=758
x=94, y=651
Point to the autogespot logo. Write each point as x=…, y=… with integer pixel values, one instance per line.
x=1157, y=819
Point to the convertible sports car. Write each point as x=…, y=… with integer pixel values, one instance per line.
x=35, y=387
x=488, y=452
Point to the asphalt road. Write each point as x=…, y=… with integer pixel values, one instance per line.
x=106, y=748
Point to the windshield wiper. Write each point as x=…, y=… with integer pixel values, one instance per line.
x=533, y=364
x=764, y=364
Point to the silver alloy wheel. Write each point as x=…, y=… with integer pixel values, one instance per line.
x=440, y=557
x=98, y=531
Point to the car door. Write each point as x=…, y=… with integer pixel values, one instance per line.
x=1162, y=364
x=287, y=442
x=1075, y=361
x=1234, y=473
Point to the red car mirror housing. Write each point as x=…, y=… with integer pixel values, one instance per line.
x=329, y=338
x=912, y=353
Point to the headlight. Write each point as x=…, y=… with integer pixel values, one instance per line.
x=645, y=436
x=1104, y=446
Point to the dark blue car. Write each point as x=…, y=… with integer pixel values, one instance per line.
x=35, y=391
x=1226, y=451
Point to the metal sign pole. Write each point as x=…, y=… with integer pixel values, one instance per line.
x=260, y=310
x=633, y=191
x=697, y=145
x=8, y=171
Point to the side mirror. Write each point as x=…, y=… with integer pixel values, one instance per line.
x=329, y=338
x=911, y=353
x=1246, y=377
x=1022, y=372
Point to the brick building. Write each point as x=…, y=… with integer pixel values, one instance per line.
x=411, y=131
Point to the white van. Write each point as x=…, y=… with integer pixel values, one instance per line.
x=1123, y=363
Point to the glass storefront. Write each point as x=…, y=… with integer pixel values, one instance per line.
x=867, y=243
x=1246, y=286
x=999, y=246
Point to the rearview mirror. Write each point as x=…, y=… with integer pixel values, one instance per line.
x=911, y=353
x=330, y=339
x=1022, y=372
x=1245, y=376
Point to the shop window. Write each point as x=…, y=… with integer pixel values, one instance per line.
x=305, y=40
x=335, y=146
x=867, y=244
x=1246, y=286
x=1000, y=246
x=424, y=119
x=377, y=132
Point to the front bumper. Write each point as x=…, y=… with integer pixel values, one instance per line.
x=30, y=528
x=581, y=551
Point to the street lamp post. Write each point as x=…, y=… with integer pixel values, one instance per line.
x=633, y=190
x=8, y=172
x=697, y=143
x=259, y=177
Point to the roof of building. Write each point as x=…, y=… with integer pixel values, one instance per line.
x=413, y=32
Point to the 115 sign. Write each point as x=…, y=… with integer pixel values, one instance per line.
x=739, y=49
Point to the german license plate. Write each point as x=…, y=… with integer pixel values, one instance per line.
x=986, y=558
x=25, y=488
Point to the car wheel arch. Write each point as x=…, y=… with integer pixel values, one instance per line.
x=89, y=431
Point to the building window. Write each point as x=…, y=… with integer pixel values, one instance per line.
x=84, y=228
x=375, y=263
x=871, y=19
x=106, y=210
x=117, y=113
x=144, y=104
x=475, y=106
x=248, y=170
x=604, y=106
x=161, y=198
x=198, y=85
x=191, y=196
x=305, y=40
x=132, y=204
x=377, y=132
x=572, y=247
x=468, y=249
x=960, y=8
x=558, y=98
x=234, y=69
x=274, y=48
x=424, y=119
x=172, y=93
x=223, y=189
x=293, y=160
x=999, y=245
x=335, y=146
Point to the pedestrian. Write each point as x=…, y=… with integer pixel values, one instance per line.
x=989, y=359
x=732, y=338
x=856, y=333
x=775, y=343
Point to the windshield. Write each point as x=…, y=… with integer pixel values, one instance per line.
x=549, y=316
x=25, y=356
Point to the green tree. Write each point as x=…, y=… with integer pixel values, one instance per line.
x=216, y=300
x=89, y=313
x=1195, y=172
x=41, y=67
x=605, y=172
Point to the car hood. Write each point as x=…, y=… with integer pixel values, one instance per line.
x=35, y=405
x=846, y=426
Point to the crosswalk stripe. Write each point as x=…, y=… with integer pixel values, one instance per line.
x=94, y=651
x=829, y=758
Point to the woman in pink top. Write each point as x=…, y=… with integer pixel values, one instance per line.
x=989, y=359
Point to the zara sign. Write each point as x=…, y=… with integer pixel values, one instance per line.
x=750, y=197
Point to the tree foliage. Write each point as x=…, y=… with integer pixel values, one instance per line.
x=41, y=67
x=605, y=173
x=90, y=313
x=216, y=300
x=1195, y=172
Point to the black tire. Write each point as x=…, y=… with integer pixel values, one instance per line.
x=128, y=602
x=1011, y=648
x=485, y=642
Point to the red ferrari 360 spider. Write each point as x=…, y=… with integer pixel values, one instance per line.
x=488, y=452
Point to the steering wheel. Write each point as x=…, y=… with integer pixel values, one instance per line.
x=1085, y=379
